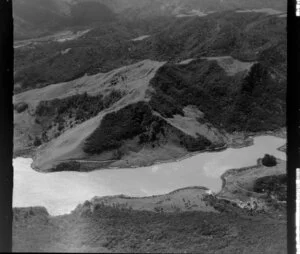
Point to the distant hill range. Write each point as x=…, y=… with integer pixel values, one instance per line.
x=35, y=18
x=42, y=17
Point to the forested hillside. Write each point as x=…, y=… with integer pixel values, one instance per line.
x=245, y=36
x=207, y=78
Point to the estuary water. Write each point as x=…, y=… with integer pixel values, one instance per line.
x=61, y=192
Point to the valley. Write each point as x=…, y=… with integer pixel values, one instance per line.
x=150, y=126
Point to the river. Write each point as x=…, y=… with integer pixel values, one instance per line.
x=61, y=192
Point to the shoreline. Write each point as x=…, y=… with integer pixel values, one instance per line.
x=233, y=143
x=208, y=192
x=235, y=170
x=155, y=196
x=205, y=189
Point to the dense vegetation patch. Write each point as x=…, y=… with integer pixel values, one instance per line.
x=110, y=229
x=21, y=107
x=273, y=185
x=67, y=166
x=136, y=120
x=80, y=106
x=75, y=109
x=109, y=46
x=269, y=160
x=260, y=104
x=124, y=124
x=195, y=144
x=199, y=83
x=253, y=103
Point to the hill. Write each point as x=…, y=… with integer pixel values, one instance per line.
x=57, y=115
x=36, y=18
x=206, y=79
x=244, y=36
x=182, y=8
x=149, y=110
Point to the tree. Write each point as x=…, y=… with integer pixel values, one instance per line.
x=255, y=78
x=37, y=141
x=117, y=154
x=269, y=160
x=20, y=107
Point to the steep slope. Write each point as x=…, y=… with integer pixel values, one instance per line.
x=71, y=125
x=133, y=86
x=144, y=113
x=247, y=101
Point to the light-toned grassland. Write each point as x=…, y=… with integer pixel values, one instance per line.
x=230, y=65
